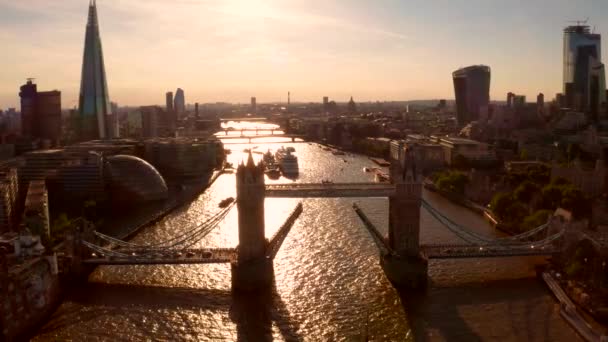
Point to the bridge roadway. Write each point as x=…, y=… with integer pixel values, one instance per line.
x=176, y=257
x=329, y=190
x=469, y=251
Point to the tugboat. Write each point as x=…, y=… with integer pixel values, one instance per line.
x=226, y=202
x=272, y=171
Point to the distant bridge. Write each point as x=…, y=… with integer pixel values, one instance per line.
x=329, y=190
x=293, y=137
x=244, y=119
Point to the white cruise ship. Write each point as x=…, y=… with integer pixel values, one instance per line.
x=288, y=163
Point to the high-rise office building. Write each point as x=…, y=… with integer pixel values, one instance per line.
x=584, y=74
x=149, y=121
x=519, y=101
x=196, y=110
x=179, y=102
x=171, y=115
x=113, y=122
x=510, y=97
x=472, y=90
x=540, y=104
x=40, y=113
x=169, y=101
x=94, y=102
x=254, y=105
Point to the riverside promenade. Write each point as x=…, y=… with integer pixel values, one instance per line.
x=570, y=314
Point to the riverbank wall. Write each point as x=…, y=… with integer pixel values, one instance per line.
x=569, y=312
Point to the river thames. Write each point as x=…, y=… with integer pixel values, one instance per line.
x=329, y=285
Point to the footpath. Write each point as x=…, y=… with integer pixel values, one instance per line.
x=570, y=314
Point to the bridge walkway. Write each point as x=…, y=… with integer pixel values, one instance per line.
x=277, y=239
x=176, y=257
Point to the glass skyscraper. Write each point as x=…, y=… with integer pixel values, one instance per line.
x=94, y=102
x=584, y=75
x=472, y=90
x=179, y=102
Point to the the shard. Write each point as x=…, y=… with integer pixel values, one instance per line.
x=94, y=102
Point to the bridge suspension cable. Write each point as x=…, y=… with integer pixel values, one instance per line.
x=181, y=241
x=479, y=239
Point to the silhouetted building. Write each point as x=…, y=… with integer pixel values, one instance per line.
x=94, y=102
x=325, y=103
x=132, y=180
x=352, y=106
x=169, y=101
x=113, y=122
x=40, y=113
x=149, y=121
x=179, y=102
x=519, y=101
x=584, y=74
x=472, y=90
x=254, y=105
x=171, y=116
x=510, y=96
x=540, y=103
x=196, y=110
x=443, y=104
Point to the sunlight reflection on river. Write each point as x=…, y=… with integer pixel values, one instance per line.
x=329, y=284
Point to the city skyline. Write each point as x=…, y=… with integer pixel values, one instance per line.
x=230, y=51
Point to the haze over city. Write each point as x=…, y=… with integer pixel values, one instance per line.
x=231, y=50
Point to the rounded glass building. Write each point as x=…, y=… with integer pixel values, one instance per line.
x=134, y=180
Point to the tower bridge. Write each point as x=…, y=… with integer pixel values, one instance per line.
x=403, y=258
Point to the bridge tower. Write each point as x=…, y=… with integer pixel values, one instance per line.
x=405, y=267
x=252, y=270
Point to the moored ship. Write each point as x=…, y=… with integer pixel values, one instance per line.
x=288, y=163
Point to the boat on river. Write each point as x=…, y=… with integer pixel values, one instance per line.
x=226, y=202
x=288, y=163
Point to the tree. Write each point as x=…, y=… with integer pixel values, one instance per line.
x=539, y=174
x=560, y=181
x=552, y=196
x=535, y=220
x=574, y=200
x=60, y=226
x=526, y=191
x=500, y=204
x=523, y=155
x=516, y=212
x=454, y=182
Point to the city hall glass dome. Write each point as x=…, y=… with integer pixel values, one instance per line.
x=134, y=180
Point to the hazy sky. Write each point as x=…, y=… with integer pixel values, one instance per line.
x=229, y=50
